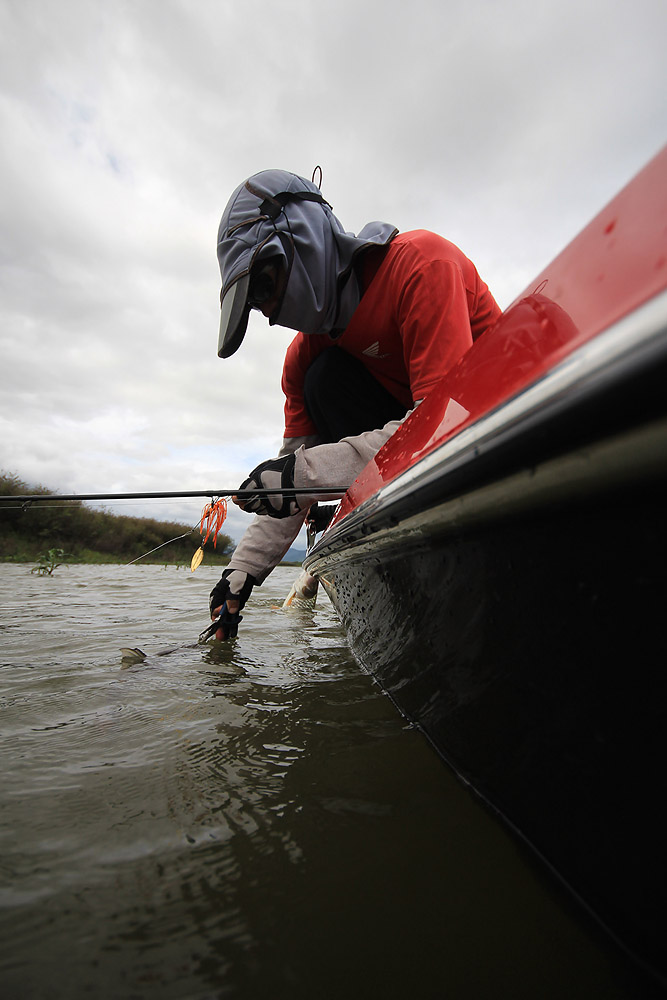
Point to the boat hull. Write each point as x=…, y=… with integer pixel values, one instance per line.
x=531, y=648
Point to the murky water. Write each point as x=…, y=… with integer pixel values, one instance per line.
x=245, y=820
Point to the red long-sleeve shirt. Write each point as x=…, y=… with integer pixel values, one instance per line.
x=423, y=305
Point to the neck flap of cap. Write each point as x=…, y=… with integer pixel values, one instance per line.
x=275, y=212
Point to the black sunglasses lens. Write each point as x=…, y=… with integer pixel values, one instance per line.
x=262, y=287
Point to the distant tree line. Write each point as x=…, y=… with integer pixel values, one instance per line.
x=87, y=535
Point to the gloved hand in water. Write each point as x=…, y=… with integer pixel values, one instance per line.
x=276, y=474
x=228, y=597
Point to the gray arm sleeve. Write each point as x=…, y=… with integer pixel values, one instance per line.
x=317, y=465
x=339, y=464
x=267, y=539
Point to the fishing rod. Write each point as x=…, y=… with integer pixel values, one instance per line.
x=212, y=518
x=334, y=491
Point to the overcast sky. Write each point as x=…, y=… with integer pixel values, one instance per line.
x=504, y=125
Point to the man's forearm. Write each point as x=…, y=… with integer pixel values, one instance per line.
x=267, y=539
x=264, y=544
x=339, y=464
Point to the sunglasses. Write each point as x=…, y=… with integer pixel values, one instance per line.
x=263, y=285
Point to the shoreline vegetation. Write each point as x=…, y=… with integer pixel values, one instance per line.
x=94, y=536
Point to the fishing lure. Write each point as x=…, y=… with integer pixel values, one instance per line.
x=212, y=519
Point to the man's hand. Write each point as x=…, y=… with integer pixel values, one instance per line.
x=276, y=474
x=228, y=597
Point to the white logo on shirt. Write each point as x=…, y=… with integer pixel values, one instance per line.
x=374, y=351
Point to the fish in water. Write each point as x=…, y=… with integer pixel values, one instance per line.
x=303, y=593
x=131, y=656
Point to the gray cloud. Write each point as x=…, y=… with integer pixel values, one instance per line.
x=504, y=126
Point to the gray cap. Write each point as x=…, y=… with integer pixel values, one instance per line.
x=279, y=214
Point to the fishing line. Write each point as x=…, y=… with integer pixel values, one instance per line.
x=162, y=545
x=38, y=510
x=26, y=504
x=211, y=521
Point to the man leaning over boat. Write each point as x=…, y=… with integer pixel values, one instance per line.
x=381, y=317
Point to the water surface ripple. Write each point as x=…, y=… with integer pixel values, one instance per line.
x=249, y=819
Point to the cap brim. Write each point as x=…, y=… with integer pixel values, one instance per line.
x=233, y=317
